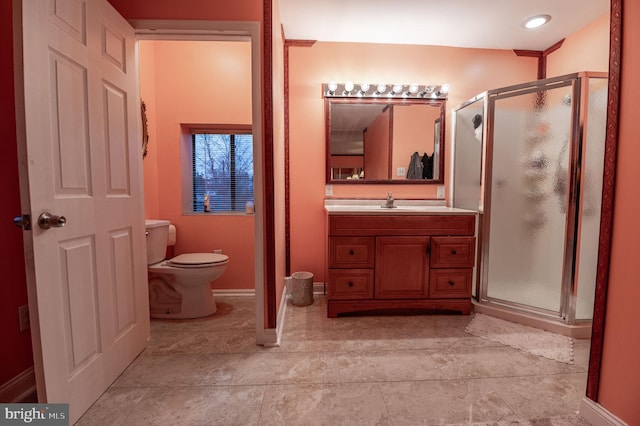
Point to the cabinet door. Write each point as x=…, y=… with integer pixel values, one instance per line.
x=402, y=267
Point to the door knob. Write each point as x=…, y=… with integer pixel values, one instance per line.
x=47, y=220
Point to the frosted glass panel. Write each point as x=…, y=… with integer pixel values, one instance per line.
x=529, y=185
x=591, y=196
x=467, y=155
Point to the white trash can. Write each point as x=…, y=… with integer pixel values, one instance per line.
x=302, y=288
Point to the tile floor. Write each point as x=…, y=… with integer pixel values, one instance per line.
x=373, y=370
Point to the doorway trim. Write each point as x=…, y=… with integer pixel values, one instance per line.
x=608, y=192
x=226, y=31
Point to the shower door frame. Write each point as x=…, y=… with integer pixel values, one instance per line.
x=568, y=293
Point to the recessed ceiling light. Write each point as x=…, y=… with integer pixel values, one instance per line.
x=536, y=21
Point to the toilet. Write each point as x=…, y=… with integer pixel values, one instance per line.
x=179, y=287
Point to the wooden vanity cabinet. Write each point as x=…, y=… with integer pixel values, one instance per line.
x=400, y=262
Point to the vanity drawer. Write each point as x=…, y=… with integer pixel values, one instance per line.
x=351, y=252
x=396, y=224
x=452, y=252
x=350, y=284
x=450, y=283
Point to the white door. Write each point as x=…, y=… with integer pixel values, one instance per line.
x=80, y=158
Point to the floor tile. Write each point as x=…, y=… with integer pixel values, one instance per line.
x=179, y=370
x=233, y=312
x=444, y=401
x=283, y=367
x=113, y=407
x=336, y=404
x=494, y=361
x=202, y=342
x=388, y=366
x=542, y=396
x=220, y=405
x=368, y=369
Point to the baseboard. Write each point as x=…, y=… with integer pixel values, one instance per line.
x=234, y=292
x=271, y=337
x=597, y=415
x=18, y=388
x=281, y=318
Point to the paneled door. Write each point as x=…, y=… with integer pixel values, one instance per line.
x=80, y=161
x=402, y=267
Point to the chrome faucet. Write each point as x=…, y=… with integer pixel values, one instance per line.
x=388, y=204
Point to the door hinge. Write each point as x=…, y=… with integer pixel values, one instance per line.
x=23, y=222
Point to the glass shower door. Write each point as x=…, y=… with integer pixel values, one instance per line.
x=529, y=182
x=467, y=154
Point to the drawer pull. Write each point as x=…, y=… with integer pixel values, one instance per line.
x=454, y=252
x=351, y=252
x=451, y=283
x=350, y=284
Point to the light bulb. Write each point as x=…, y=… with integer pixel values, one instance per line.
x=332, y=86
x=364, y=87
x=380, y=89
x=348, y=87
x=413, y=89
x=397, y=88
x=427, y=90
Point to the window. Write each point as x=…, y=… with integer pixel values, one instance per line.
x=222, y=170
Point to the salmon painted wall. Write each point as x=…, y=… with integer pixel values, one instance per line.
x=585, y=50
x=619, y=385
x=147, y=72
x=409, y=121
x=376, y=139
x=238, y=10
x=197, y=83
x=16, y=355
x=468, y=71
x=278, y=154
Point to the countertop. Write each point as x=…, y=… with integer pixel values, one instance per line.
x=401, y=207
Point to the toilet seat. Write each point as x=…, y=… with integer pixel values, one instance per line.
x=197, y=260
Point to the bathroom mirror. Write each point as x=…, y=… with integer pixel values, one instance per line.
x=385, y=140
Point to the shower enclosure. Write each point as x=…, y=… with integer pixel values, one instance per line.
x=530, y=159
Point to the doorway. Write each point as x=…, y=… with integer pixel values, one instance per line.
x=195, y=38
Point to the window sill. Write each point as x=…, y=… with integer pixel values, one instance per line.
x=217, y=214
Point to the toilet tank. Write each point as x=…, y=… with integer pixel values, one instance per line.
x=157, y=236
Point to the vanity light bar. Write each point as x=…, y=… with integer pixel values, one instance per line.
x=392, y=91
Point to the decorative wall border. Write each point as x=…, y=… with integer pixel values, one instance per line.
x=608, y=193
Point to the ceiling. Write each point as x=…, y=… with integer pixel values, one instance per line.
x=493, y=24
